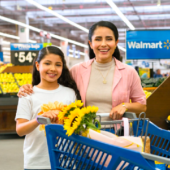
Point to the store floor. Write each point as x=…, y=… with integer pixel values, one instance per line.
x=11, y=152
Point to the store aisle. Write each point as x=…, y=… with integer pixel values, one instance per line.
x=11, y=153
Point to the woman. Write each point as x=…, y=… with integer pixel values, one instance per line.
x=104, y=81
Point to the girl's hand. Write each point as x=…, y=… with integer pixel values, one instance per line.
x=24, y=90
x=52, y=115
x=117, y=112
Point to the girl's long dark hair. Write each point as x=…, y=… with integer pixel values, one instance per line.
x=109, y=25
x=65, y=79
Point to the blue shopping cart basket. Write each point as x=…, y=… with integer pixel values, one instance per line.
x=77, y=152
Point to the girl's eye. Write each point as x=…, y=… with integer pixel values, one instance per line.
x=109, y=39
x=58, y=65
x=47, y=63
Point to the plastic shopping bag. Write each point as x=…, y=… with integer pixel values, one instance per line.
x=128, y=142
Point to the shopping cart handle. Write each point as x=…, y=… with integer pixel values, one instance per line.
x=129, y=115
x=43, y=120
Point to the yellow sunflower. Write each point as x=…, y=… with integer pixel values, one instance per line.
x=78, y=103
x=61, y=115
x=73, y=121
x=69, y=107
x=94, y=109
x=89, y=109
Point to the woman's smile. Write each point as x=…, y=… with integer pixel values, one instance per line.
x=104, y=51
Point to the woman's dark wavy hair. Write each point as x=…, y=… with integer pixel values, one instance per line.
x=109, y=25
x=65, y=79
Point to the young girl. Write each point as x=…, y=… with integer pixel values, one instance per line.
x=51, y=82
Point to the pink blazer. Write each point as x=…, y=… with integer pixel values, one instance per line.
x=126, y=83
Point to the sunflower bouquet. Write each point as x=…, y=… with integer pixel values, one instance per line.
x=78, y=119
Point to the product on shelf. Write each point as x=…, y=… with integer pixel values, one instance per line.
x=23, y=78
x=6, y=77
x=152, y=82
x=9, y=87
x=147, y=93
x=8, y=83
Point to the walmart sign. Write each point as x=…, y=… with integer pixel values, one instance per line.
x=150, y=44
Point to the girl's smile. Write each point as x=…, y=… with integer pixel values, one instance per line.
x=51, y=75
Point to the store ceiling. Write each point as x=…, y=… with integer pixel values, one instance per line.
x=143, y=14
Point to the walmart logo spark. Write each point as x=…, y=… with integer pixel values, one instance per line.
x=167, y=44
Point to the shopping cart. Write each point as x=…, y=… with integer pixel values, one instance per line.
x=77, y=152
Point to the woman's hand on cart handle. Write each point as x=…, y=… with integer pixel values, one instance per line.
x=117, y=112
x=24, y=90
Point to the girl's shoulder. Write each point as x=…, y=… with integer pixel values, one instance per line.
x=60, y=89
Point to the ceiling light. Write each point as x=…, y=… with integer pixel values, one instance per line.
x=57, y=15
x=9, y=36
x=72, y=23
x=45, y=32
x=13, y=37
x=121, y=15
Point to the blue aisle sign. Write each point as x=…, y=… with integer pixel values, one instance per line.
x=148, y=44
x=68, y=48
x=74, y=50
x=26, y=46
x=1, y=56
x=24, y=53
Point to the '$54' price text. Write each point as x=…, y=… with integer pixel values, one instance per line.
x=23, y=56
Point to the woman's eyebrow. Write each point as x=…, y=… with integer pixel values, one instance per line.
x=109, y=36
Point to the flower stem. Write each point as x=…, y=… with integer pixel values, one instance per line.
x=90, y=125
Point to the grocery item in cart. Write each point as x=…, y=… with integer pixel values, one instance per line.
x=128, y=142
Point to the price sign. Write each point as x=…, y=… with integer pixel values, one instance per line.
x=23, y=57
x=24, y=53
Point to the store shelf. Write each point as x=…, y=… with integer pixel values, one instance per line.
x=8, y=101
x=18, y=69
x=8, y=107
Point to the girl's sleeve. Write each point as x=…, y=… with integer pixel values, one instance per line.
x=136, y=93
x=23, y=109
